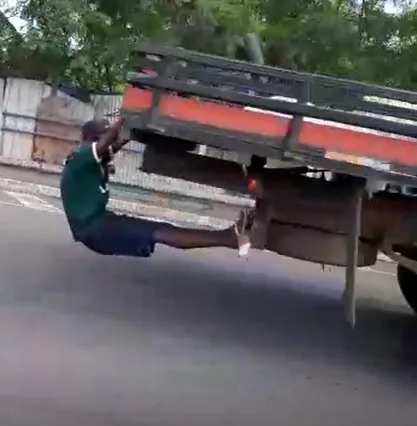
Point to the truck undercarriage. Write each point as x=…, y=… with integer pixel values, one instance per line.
x=179, y=100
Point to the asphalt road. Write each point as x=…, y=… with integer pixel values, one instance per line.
x=198, y=338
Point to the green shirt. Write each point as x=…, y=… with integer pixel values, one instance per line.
x=84, y=189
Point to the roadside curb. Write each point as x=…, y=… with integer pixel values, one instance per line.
x=126, y=207
x=31, y=165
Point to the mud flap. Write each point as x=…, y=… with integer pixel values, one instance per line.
x=352, y=249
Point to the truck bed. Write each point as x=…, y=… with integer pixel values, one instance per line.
x=323, y=122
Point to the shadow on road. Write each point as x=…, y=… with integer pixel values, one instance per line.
x=270, y=313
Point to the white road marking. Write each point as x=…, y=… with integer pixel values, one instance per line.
x=32, y=202
x=6, y=203
x=377, y=271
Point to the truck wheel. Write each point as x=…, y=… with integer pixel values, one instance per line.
x=408, y=284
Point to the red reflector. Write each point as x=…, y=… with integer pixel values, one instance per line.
x=252, y=185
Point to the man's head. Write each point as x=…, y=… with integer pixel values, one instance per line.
x=92, y=130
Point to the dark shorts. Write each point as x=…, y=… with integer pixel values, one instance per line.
x=120, y=235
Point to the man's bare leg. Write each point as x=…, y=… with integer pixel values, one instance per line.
x=188, y=238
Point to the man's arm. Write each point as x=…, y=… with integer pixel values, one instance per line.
x=110, y=142
x=90, y=154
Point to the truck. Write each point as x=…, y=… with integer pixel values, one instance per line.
x=287, y=124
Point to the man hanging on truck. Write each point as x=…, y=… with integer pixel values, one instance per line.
x=85, y=195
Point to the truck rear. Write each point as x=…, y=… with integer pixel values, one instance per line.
x=285, y=125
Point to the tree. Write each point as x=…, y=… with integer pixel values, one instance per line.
x=88, y=42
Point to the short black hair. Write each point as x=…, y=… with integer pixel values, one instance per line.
x=93, y=129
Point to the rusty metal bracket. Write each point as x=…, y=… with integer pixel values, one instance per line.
x=157, y=96
x=352, y=249
x=292, y=136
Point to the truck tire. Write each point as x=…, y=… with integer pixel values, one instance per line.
x=407, y=281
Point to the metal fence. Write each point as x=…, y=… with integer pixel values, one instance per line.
x=38, y=125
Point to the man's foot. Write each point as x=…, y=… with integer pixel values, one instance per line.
x=251, y=230
x=243, y=230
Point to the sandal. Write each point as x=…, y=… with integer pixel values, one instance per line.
x=243, y=229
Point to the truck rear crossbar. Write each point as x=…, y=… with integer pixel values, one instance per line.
x=294, y=115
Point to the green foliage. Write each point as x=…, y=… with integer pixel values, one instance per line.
x=88, y=42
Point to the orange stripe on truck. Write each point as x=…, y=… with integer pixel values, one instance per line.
x=382, y=147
